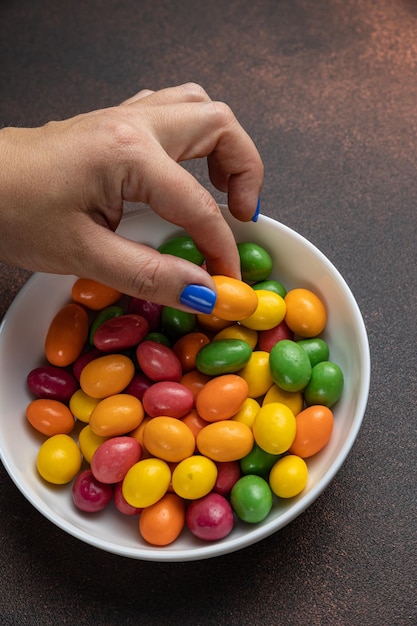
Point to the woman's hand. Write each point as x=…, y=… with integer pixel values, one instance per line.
x=62, y=188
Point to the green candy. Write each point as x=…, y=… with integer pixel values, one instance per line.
x=271, y=285
x=176, y=323
x=326, y=384
x=159, y=338
x=290, y=366
x=258, y=461
x=225, y=356
x=255, y=262
x=183, y=247
x=251, y=498
x=316, y=348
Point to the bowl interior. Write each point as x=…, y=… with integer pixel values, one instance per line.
x=297, y=263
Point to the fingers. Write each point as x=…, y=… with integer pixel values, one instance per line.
x=137, y=270
x=188, y=92
x=175, y=195
x=202, y=128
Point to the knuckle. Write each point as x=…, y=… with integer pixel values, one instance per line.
x=194, y=92
x=222, y=113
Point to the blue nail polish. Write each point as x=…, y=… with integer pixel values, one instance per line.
x=257, y=210
x=199, y=298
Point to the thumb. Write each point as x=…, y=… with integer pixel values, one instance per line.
x=138, y=270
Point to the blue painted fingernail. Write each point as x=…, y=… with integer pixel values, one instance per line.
x=257, y=210
x=199, y=298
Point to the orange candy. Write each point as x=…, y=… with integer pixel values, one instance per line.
x=195, y=381
x=226, y=440
x=116, y=415
x=162, y=522
x=107, y=375
x=211, y=322
x=186, y=349
x=194, y=422
x=94, y=295
x=66, y=336
x=222, y=397
x=236, y=300
x=50, y=417
x=314, y=427
x=305, y=314
x=168, y=438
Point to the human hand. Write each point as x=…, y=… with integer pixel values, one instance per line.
x=62, y=188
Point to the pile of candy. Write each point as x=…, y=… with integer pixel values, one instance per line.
x=186, y=420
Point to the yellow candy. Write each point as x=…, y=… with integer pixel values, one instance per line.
x=82, y=405
x=237, y=331
x=247, y=413
x=269, y=313
x=257, y=374
x=292, y=399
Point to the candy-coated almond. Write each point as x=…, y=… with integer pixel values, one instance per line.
x=66, y=336
x=314, y=427
x=222, y=397
x=116, y=415
x=50, y=417
x=107, y=375
x=226, y=440
x=168, y=438
x=236, y=300
x=94, y=295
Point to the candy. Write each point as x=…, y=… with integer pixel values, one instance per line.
x=168, y=438
x=89, y=494
x=325, y=385
x=189, y=420
x=158, y=361
x=236, y=300
x=106, y=375
x=93, y=295
x=103, y=316
x=225, y=440
x=120, y=332
x=290, y=365
x=50, y=417
x=210, y=518
x=161, y=523
x=251, y=498
x=48, y=381
x=59, y=459
x=314, y=427
x=168, y=398
x=183, y=247
x=66, y=336
x=116, y=415
x=289, y=476
x=194, y=477
x=255, y=262
x=305, y=312
x=221, y=397
x=269, y=312
x=224, y=356
x=114, y=457
x=274, y=428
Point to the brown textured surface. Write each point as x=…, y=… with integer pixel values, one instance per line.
x=328, y=90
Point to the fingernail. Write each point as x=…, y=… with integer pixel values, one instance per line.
x=257, y=210
x=199, y=298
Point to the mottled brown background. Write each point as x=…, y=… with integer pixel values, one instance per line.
x=328, y=90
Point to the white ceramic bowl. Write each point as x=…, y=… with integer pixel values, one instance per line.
x=297, y=263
